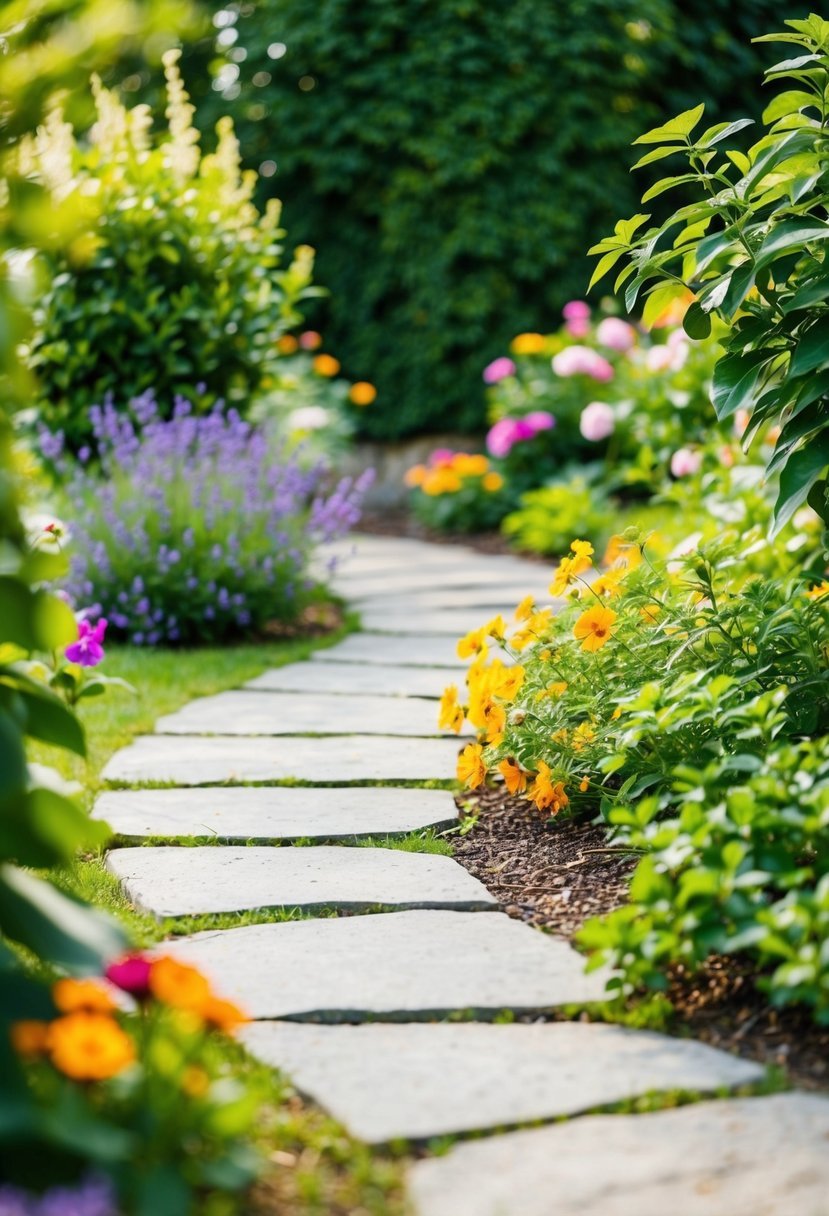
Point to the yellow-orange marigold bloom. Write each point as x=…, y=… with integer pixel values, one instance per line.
x=362, y=393
x=547, y=793
x=514, y=776
x=583, y=734
x=582, y=554
x=71, y=995
x=89, y=1046
x=194, y=1081
x=492, y=482
x=441, y=480
x=287, y=344
x=621, y=552
x=584, y=785
x=466, y=465
x=416, y=475
x=473, y=643
x=593, y=627
x=178, y=984
x=817, y=592
x=487, y=714
x=29, y=1037
x=326, y=365
x=527, y=344
x=525, y=609
x=451, y=713
x=223, y=1015
x=496, y=628
x=506, y=682
x=564, y=575
x=536, y=625
x=607, y=583
x=471, y=768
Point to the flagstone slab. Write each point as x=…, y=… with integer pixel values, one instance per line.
x=415, y=578
x=390, y=680
x=393, y=965
x=736, y=1157
x=410, y=651
x=251, y=712
x=203, y=760
x=172, y=881
x=413, y=1082
x=421, y=622
x=258, y=813
x=497, y=598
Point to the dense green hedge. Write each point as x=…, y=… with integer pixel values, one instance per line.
x=451, y=160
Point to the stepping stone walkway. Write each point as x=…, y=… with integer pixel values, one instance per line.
x=361, y=1011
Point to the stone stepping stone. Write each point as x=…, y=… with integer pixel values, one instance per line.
x=415, y=578
x=408, y=651
x=272, y=713
x=401, y=966
x=452, y=622
x=488, y=600
x=168, y=881
x=263, y=814
x=735, y=1157
x=209, y=760
x=413, y=1082
x=350, y=678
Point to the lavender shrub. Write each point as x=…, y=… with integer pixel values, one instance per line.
x=194, y=529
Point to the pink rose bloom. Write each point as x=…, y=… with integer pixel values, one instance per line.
x=131, y=974
x=685, y=462
x=540, y=420
x=441, y=456
x=576, y=310
x=501, y=437
x=88, y=651
x=498, y=369
x=582, y=361
x=616, y=334
x=669, y=357
x=597, y=421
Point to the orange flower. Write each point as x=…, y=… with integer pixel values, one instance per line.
x=485, y=713
x=451, y=713
x=362, y=393
x=506, y=682
x=514, y=776
x=287, y=344
x=326, y=365
x=466, y=465
x=29, y=1038
x=818, y=592
x=89, y=1046
x=178, y=984
x=492, y=483
x=547, y=793
x=471, y=768
x=607, y=583
x=593, y=627
x=223, y=1015
x=584, y=785
x=620, y=552
x=416, y=475
x=72, y=995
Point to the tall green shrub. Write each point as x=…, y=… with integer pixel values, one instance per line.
x=451, y=159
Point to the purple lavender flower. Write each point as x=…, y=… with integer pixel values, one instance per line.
x=92, y=1197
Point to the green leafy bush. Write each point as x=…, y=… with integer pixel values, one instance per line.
x=547, y=518
x=753, y=249
x=447, y=157
x=173, y=282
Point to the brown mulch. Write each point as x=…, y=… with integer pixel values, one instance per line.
x=557, y=874
x=401, y=523
x=315, y=621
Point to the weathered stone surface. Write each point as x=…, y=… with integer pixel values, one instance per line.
x=741, y=1157
x=390, y=680
x=394, y=965
x=422, y=622
x=169, y=881
x=270, y=713
x=413, y=651
x=488, y=600
x=201, y=760
x=262, y=813
x=419, y=578
x=413, y=1082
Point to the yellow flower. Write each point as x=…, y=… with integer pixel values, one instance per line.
x=514, y=776
x=506, y=682
x=178, y=984
x=527, y=344
x=650, y=612
x=362, y=393
x=565, y=573
x=582, y=735
x=536, y=625
x=607, y=583
x=560, y=736
x=584, y=785
x=593, y=627
x=194, y=1081
x=416, y=475
x=71, y=995
x=583, y=551
x=617, y=713
x=817, y=592
x=547, y=793
x=486, y=714
x=451, y=713
x=525, y=609
x=496, y=628
x=440, y=481
x=287, y=344
x=473, y=644
x=492, y=482
x=471, y=768
x=89, y=1046
x=621, y=552
x=326, y=365
x=470, y=466
x=557, y=689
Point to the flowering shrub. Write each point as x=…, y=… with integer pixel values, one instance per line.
x=197, y=528
x=174, y=280
x=457, y=492
x=548, y=517
x=140, y=1095
x=681, y=699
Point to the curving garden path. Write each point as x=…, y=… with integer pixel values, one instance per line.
x=396, y=1016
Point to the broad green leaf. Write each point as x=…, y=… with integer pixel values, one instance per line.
x=789, y=102
x=51, y=721
x=715, y=135
x=735, y=381
x=668, y=183
x=812, y=350
x=605, y=264
x=58, y=929
x=53, y=622
x=774, y=154
x=681, y=126
x=790, y=234
x=696, y=322
x=740, y=284
x=812, y=292
x=803, y=468
x=660, y=299
x=658, y=154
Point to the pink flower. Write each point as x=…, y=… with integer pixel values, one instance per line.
x=669, y=357
x=582, y=361
x=502, y=436
x=576, y=310
x=597, y=421
x=685, y=462
x=131, y=974
x=441, y=456
x=616, y=334
x=540, y=420
x=498, y=369
x=88, y=650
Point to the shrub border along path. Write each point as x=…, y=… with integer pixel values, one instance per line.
x=397, y=1013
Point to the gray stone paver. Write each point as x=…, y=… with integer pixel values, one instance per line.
x=499, y=597
x=278, y=813
x=737, y=1157
x=393, y=965
x=411, y=651
x=350, y=678
x=172, y=881
x=414, y=1082
x=423, y=622
x=206, y=760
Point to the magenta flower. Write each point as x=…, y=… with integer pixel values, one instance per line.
x=540, y=420
x=498, y=369
x=616, y=334
x=576, y=310
x=88, y=650
x=501, y=437
x=131, y=974
x=441, y=456
x=597, y=421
